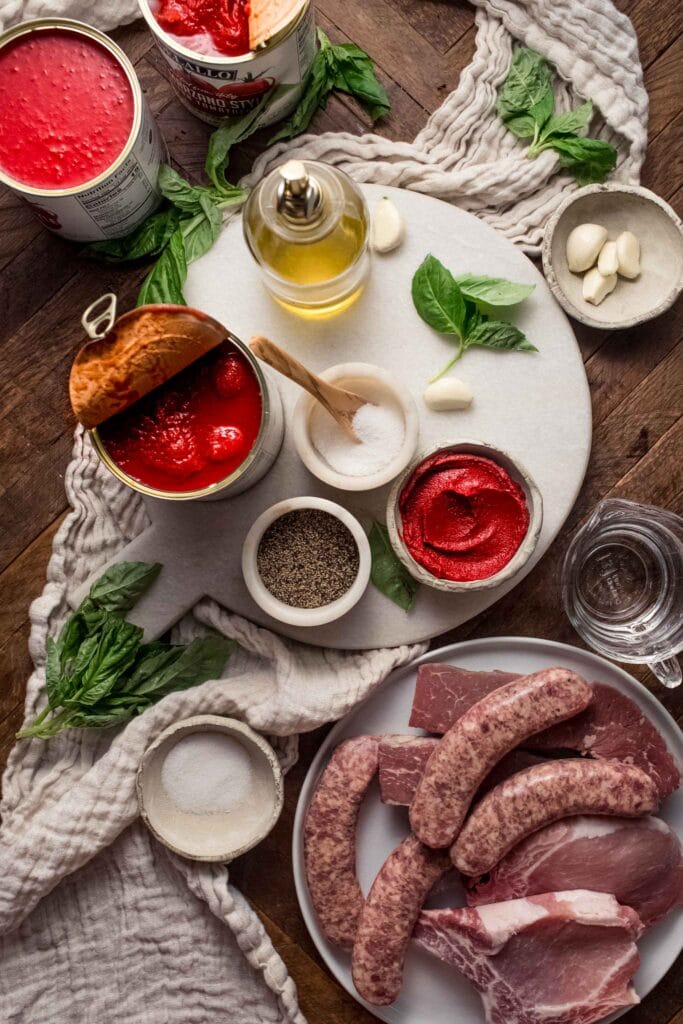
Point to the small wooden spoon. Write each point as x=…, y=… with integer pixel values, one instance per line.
x=342, y=405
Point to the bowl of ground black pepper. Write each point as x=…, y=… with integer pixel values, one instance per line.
x=306, y=561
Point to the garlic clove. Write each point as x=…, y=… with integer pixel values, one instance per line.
x=448, y=393
x=628, y=254
x=583, y=245
x=608, y=263
x=388, y=226
x=596, y=286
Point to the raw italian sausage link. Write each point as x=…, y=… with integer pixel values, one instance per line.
x=537, y=796
x=330, y=837
x=480, y=738
x=389, y=916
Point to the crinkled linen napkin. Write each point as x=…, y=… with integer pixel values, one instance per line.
x=99, y=923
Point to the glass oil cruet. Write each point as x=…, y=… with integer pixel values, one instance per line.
x=306, y=225
x=623, y=585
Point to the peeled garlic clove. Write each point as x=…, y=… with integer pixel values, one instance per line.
x=608, y=263
x=628, y=254
x=596, y=286
x=448, y=393
x=583, y=245
x=388, y=226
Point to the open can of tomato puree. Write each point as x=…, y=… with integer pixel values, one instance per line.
x=77, y=140
x=225, y=57
x=177, y=407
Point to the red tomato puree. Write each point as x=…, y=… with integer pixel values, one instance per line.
x=463, y=516
x=66, y=109
x=194, y=430
x=225, y=21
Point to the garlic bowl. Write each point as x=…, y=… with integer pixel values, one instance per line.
x=618, y=209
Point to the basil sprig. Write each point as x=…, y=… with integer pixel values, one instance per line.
x=525, y=105
x=343, y=67
x=387, y=572
x=459, y=306
x=191, y=221
x=98, y=673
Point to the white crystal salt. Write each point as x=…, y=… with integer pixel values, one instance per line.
x=380, y=429
x=207, y=773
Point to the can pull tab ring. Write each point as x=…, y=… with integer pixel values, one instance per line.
x=98, y=324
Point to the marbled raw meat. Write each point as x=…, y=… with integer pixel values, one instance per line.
x=555, y=958
x=444, y=692
x=638, y=860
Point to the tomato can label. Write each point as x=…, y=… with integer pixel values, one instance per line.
x=215, y=88
x=122, y=197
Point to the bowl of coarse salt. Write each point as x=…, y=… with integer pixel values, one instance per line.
x=209, y=788
x=386, y=427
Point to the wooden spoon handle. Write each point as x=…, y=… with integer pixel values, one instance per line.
x=335, y=399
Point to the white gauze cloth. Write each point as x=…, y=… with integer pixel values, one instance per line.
x=98, y=922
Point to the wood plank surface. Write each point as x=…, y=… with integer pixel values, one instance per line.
x=420, y=47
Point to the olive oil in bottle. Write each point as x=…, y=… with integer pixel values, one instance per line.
x=306, y=225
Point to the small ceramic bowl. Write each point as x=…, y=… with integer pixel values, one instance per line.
x=288, y=613
x=216, y=836
x=618, y=208
x=371, y=382
x=534, y=503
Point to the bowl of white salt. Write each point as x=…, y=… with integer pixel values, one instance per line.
x=386, y=428
x=210, y=788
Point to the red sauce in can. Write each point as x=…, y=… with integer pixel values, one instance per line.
x=66, y=109
x=226, y=22
x=463, y=516
x=193, y=431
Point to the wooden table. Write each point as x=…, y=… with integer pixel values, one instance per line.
x=420, y=47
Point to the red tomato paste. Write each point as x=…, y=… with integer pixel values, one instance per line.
x=226, y=22
x=194, y=430
x=463, y=516
x=66, y=109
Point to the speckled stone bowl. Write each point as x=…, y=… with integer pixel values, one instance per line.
x=618, y=208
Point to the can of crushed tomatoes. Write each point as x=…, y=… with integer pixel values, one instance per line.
x=77, y=140
x=216, y=85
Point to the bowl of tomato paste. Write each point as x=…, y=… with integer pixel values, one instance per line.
x=464, y=517
x=209, y=431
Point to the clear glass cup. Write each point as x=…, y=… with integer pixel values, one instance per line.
x=622, y=585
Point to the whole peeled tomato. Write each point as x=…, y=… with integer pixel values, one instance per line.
x=175, y=450
x=223, y=443
x=231, y=376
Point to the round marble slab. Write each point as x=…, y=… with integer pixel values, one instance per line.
x=534, y=405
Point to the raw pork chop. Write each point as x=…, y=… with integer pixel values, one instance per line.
x=612, y=727
x=639, y=861
x=558, y=958
x=443, y=693
x=402, y=760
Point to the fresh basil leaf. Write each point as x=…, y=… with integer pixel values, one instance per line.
x=151, y=659
x=228, y=134
x=53, y=673
x=201, y=231
x=355, y=74
x=123, y=584
x=493, y=291
x=203, y=659
x=181, y=193
x=115, y=653
x=524, y=126
x=499, y=335
x=147, y=240
x=589, y=160
x=388, y=573
x=165, y=281
x=527, y=88
x=437, y=297
x=569, y=123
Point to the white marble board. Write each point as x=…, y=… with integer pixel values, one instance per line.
x=536, y=406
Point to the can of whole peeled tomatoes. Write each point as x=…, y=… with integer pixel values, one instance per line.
x=216, y=85
x=77, y=140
